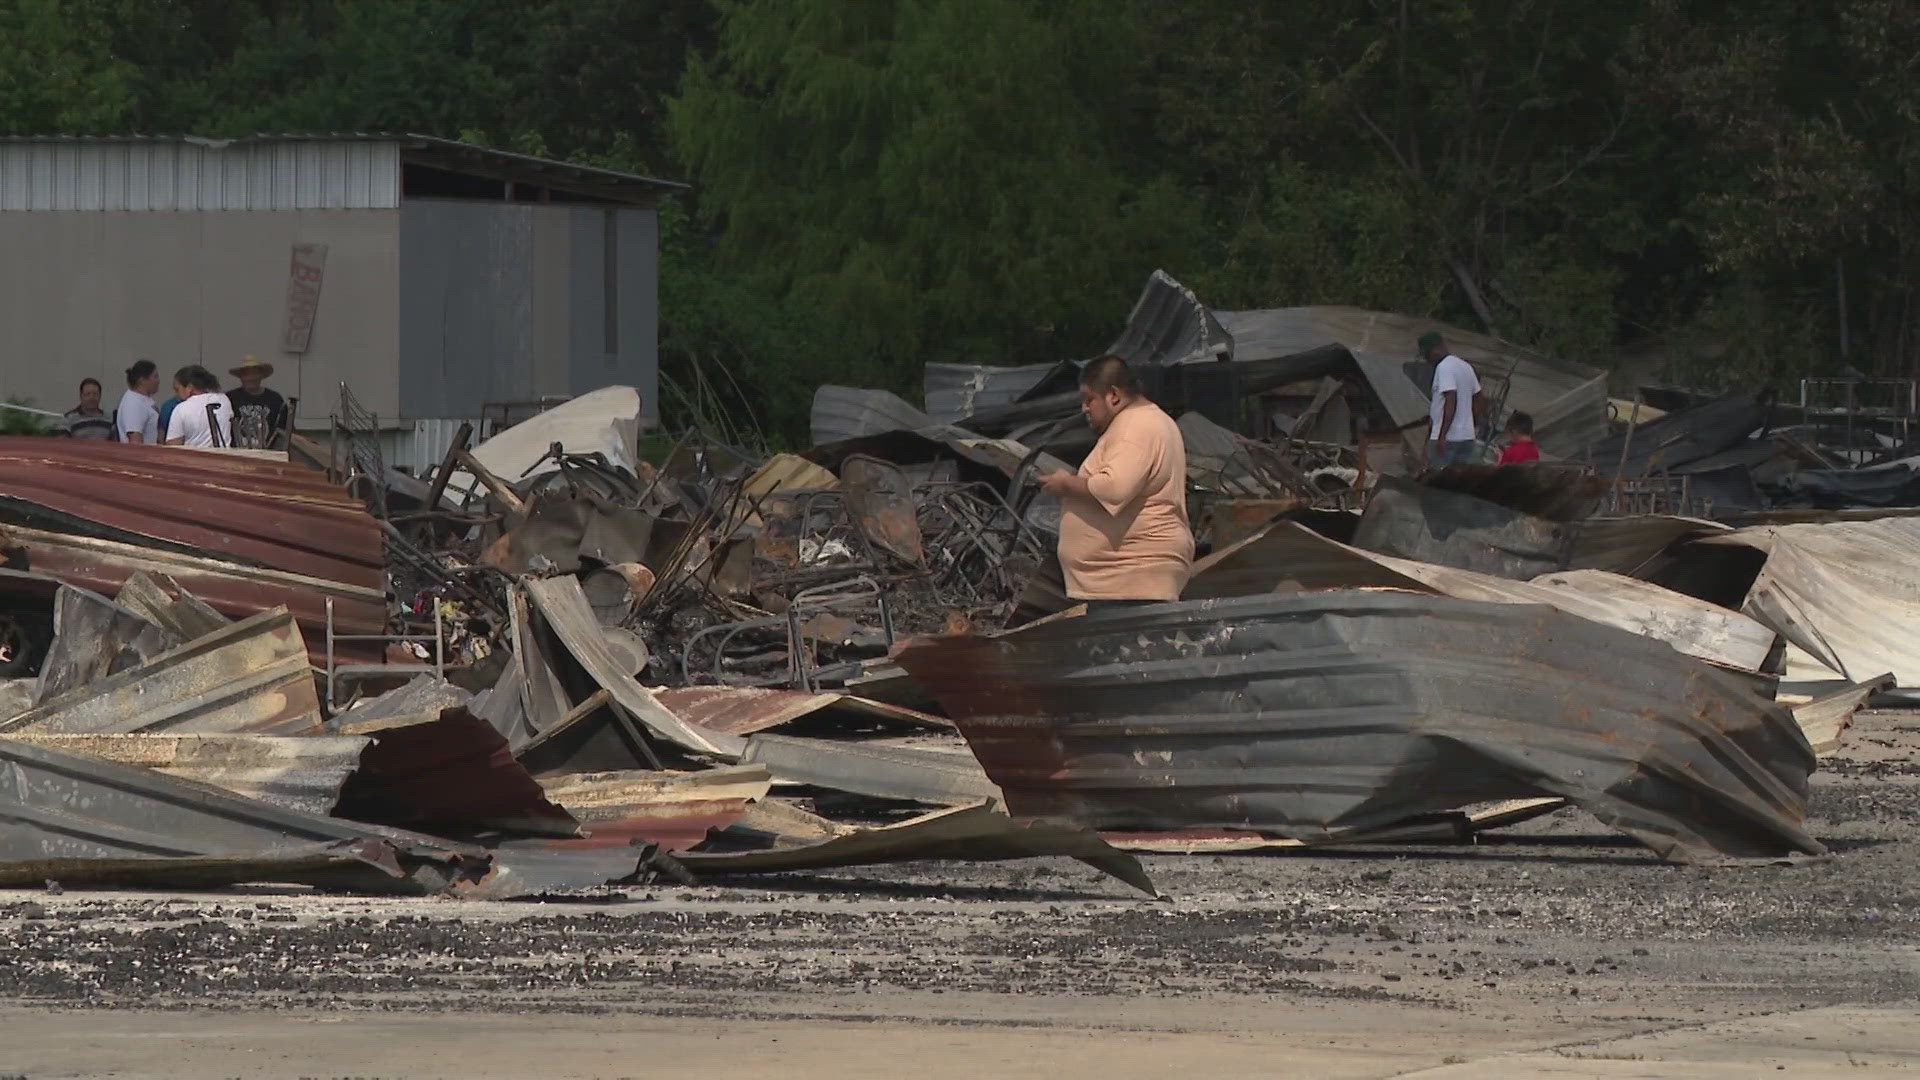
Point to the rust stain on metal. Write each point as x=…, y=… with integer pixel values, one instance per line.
x=241, y=533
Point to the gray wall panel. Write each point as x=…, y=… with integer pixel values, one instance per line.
x=87, y=293
x=467, y=303
x=508, y=302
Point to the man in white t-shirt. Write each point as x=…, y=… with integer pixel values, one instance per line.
x=204, y=416
x=1456, y=404
x=137, y=419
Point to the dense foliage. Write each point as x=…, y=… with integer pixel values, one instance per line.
x=1727, y=187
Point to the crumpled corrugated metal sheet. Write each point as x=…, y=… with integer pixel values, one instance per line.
x=1288, y=557
x=566, y=611
x=967, y=833
x=1415, y=521
x=1169, y=325
x=1311, y=713
x=161, y=601
x=248, y=676
x=1825, y=719
x=934, y=775
x=1847, y=592
x=94, y=638
x=1678, y=438
x=84, y=820
x=452, y=774
x=1626, y=545
x=1568, y=401
x=956, y=390
x=846, y=412
x=673, y=810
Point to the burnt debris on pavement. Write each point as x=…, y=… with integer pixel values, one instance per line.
x=569, y=659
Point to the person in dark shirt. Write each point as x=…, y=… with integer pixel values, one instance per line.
x=258, y=413
x=88, y=420
x=1520, y=445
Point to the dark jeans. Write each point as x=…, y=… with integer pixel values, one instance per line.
x=1458, y=452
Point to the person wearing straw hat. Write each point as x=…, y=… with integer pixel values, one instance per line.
x=258, y=413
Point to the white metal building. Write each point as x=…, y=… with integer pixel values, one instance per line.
x=431, y=276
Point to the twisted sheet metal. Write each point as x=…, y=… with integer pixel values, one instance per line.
x=1845, y=591
x=1288, y=557
x=1307, y=714
x=248, y=676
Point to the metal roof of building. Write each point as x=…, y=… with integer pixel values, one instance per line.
x=329, y=171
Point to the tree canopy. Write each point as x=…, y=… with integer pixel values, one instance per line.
x=880, y=183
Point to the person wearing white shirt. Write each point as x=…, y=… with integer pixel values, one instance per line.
x=204, y=416
x=1454, y=407
x=138, y=419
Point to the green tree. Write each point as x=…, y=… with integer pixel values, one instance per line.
x=913, y=180
x=1806, y=121
x=57, y=73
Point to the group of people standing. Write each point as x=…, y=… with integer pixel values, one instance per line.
x=198, y=414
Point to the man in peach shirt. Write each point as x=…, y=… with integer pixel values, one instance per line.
x=1124, y=537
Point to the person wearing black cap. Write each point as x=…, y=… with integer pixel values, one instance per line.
x=1455, y=404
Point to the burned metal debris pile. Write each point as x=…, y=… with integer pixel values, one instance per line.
x=556, y=662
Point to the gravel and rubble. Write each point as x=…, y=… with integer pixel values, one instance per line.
x=1553, y=918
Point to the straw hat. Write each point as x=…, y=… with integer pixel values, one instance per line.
x=251, y=365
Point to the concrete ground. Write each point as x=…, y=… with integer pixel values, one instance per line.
x=1554, y=949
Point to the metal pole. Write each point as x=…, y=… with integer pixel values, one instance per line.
x=331, y=699
x=1633, y=424
x=447, y=463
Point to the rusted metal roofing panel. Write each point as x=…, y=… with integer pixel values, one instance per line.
x=240, y=534
x=235, y=590
x=674, y=810
x=1317, y=712
x=261, y=513
x=249, y=676
x=452, y=775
